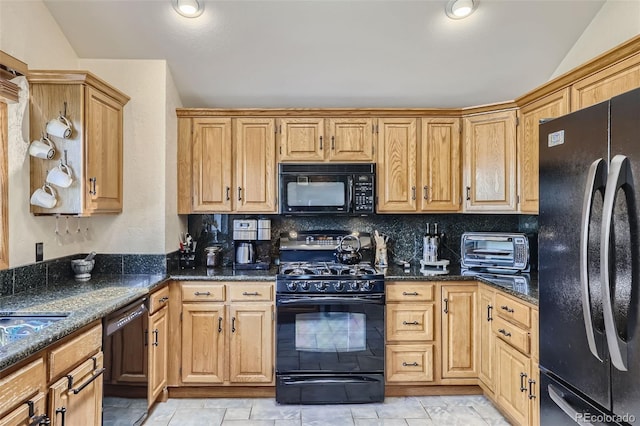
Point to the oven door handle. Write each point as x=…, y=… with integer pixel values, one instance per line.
x=377, y=299
x=290, y=381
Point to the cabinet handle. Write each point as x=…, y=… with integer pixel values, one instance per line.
x=489, y=309
x=233, y=324
x=531, y=383
x=523, y=387
x=506, y=308
x=92, y=186
x=446, y=306
x=62, y=411
x=163, y=299
x=410, y=323
x=413, y=192
x=79, y=389
x=155, y=337
x=239, y=193
x=426, y=192
x=413, y=364
x=505, y=332
x=254, y=293
x=201, y=293
x=41, y=420
x=468, y=193
x=228, y=193
x=333, y=142
x=146, y=336
x=321, y=142
x=219, y=324
x=413, y=293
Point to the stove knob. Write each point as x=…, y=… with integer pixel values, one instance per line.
x=367, y=286
x=304, y=285
x=292, y=286
x=322, y=285
x=339, y=286
x=354, y=285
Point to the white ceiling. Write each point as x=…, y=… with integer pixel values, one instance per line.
x=342, y=53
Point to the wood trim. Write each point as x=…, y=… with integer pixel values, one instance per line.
x=318, y=112
x=4, y=186
x=255, y=391
x=10, y=62
x=77, y=77
x=428, y=390
x=185, y=166
x=623, y=51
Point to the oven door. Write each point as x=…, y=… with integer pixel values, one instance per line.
x=302, y=193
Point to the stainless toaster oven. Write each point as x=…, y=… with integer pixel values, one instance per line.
x=503, y=252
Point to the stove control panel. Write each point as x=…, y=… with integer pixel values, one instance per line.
x=330, y=286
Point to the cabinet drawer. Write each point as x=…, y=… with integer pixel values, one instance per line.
x=242, y=292
x=20, y=416
x=202, y=292
x=158, y=300
x=79, y=348
x=409, y=363
x=21, y=384
x=410, y=292
x=512, y=310
x=516, y=337
x=413, y=321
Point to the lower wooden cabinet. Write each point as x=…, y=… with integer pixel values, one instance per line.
x=459, y=330
x=411, y=363
x=512, y=386
x=31, y=413
x=485, y=341
x=228, y=337
x=157, y=353
x=17, y=390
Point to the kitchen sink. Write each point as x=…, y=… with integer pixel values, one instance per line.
x=17, y=326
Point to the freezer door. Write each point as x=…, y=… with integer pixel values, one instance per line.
x=559, y=406
x=624, y=258
x=573, y=165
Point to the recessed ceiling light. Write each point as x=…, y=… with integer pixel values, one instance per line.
x=458, y=9
x=189, y=8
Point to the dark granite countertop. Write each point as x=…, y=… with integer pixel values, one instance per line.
x=226, y=273
x=82, y=302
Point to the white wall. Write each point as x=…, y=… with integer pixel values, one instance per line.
x=28, y=32
x=616, y=22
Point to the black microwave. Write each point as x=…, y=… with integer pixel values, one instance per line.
x=325, y=188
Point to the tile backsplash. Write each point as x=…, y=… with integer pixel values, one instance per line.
x=405, y=231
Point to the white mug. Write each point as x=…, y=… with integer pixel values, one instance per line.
x=60, y=127
x=42, y=148
x=44, y=197
x=61, y=176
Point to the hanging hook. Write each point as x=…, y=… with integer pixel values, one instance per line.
x=66, y=160
x=65, y=109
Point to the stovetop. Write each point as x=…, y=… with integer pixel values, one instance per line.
x=328, y=277
x=326, y=269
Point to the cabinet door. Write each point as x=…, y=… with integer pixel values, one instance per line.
x=486, y=347
x=490, y=161
x=255, y=165
x=302, y=139
x=211, y=155
x=550, y=106
x=76, y=399
x=604, y=84
x=397, y=172
x=459, y=323
x=351, y=139
x=511, y=382
x=251, y=343
x=533, y=395
x=203, y=331
x=103, y=142
x=410, y=322
x=158, y=353
x=440, y=164
x=21, y=416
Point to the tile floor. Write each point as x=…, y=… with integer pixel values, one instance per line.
x=406, y=411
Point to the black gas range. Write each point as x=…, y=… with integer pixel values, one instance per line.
x=330, y=322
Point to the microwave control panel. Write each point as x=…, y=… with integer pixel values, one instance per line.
x=363, y=193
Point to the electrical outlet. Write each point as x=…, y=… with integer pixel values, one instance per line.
x=39, y=252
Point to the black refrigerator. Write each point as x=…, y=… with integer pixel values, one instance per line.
x=589, y=265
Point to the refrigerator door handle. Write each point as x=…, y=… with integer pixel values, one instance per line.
x=570, y=411
x=619, y=172
x=594, y=181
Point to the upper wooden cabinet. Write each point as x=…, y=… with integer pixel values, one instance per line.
x=440, y=164
x=93, y=151
x=332, y=139
x=550, y=106
x=606, y=83
x=226, y=165
x=490, y=162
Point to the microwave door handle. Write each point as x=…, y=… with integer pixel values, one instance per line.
x=594, y=181
x=350, y=206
